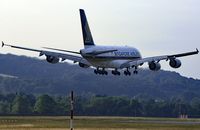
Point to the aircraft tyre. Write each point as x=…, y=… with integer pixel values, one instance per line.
x=115, y=72
x=127, y=73
x=101, y=72
x=135, y=72
x=95, y=71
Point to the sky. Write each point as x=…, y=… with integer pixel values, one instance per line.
x=155, y=27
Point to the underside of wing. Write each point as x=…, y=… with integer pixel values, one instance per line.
x=64, y=56
x=184, y=54
x=142, y=61
x=175, y=63
x=61, y=50
x=54, y=57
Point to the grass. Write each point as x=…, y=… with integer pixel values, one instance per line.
x=98, y=123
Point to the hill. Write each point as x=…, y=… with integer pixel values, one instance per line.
x=31, y=75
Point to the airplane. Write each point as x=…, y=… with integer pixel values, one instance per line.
x=103, y=58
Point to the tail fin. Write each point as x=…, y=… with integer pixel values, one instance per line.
x=87, y=36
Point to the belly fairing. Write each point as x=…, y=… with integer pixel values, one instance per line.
x=107, y=63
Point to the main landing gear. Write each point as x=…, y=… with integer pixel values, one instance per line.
x=115, y=72
x=127, y=72
x=135, y=71
x=100, y=71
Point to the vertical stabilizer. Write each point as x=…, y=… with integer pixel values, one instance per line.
x=87, y=36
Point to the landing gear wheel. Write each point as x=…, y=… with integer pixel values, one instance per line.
x=115, y=72
x=127, y=72
x=100, y=71
x=106, y=73
x=95, y=71
x=118, y=73
x=135, y=72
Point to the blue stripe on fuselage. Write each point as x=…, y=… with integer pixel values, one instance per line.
x=112, y=57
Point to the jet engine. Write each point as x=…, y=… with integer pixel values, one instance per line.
x=154, y=66
x=175, y=63
x=52, y=59
x=83, y=65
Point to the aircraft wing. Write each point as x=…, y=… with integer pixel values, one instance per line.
x=61, y=50
x=156, y=59
x=62, y=56
x=93, y=53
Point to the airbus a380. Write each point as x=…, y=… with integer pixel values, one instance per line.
x=103, y=58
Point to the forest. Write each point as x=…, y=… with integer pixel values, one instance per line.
x=31, y=86
x=97, y=105
x=36, y=76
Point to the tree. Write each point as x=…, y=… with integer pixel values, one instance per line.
x=4, y=108
x=45, y=105
x=63, y=105
x=136, y=108
x=21, y=105
x=195, y=107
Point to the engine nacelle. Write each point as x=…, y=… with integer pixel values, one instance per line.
x=154, y=66
x=83, y=65
x=175, y=63
x=52, y=59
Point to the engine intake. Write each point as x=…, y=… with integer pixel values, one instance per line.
x=154, y=66
x=175, y=63
x=52, y=59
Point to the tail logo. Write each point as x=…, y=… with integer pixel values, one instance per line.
x=88, y=38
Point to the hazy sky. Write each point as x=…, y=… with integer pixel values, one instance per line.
x=155, y=27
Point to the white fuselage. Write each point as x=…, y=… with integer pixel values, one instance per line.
x=114, y=59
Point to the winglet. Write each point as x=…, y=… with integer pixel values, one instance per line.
x=197, y=50
x=2, y=45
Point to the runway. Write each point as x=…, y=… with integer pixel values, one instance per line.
x=180, y=122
